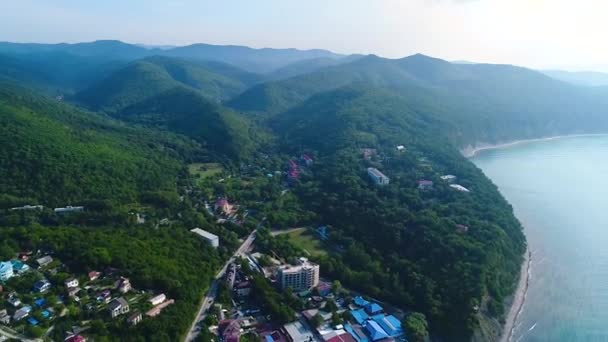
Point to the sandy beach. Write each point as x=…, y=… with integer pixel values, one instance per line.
x=518, y=300
x=470, y=151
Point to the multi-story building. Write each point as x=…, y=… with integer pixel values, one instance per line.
x=6, y=271
x=377, y=177
x=212, y=239
x=301, y=277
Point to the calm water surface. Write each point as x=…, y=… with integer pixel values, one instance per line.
x=559, y=191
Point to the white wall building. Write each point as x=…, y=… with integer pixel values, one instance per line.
x=377, y=177
x=301, y=277
x=212, y=239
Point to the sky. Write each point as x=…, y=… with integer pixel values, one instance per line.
x=546, y=34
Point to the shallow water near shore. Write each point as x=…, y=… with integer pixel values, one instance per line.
x=559, y=191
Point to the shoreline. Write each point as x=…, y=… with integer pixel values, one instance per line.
x=471, y=152
x=519, y=298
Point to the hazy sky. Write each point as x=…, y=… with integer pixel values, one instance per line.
x=536, y=33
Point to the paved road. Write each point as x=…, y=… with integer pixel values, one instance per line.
x=286, y=231
x=210, y=297
x=12, y=334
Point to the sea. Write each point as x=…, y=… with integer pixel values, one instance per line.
x=559, y=191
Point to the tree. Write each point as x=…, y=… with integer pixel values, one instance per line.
x=335, y=319
x=330, y=306
x=317, y=320
x=416, y=327
x=336, y=287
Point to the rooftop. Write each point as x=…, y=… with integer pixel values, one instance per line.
x=204, y=234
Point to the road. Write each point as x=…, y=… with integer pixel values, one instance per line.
x=286, y=231
x=12, y=334
x=210, y=296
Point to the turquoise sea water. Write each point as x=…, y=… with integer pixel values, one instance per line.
x=559, y=191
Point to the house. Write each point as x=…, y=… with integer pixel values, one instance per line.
x=6, y=271
x=73, y=291
x=448, y=178
x=22, y=313
x=75, y=338
x=339, y=336
x=459, y=187
x=323, y=289
x=32, y=321
x=44, y=261
x=19, y=267
x=104, y=296
x=13, y=300
x=123, y=285
x=4, y=317
x=222, y=206
x=68, y=209
x=306, y=160
x=28, y=207
x=297, y=332
x=360, y=301
x=39, y=302
x=373, y=308
x=242, y=289
x=157, y=299
x=42, y=286
x=356, y=332
x=368, y=153
x=118, y=307
x=135, y=318
x=155, y=311
x=212, y=239
x=71, y=282
x=400, y=148
x=94, y=275
x=377, y=177
x=425, y=184
x=375, y=331
x=461, y=228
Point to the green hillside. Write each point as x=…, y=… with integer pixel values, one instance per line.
x=146, y=78
x=182, y=110
x=56, y=155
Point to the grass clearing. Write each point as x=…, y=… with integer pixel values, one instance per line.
x=205, y=170
x=306, y=240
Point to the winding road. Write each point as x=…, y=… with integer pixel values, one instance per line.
x=207, y=301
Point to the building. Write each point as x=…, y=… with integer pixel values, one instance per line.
x=323, y=233
x=157, y=299
x=155, y=311
x=222, y=206
x=339, y=336
x=28, y=207
x=19, y=267
x=68, y=209
x=357, y=332
x=390, y=324
x=42, y=286
x=448, y=178
x=135, y=318
x=4, y=317
x=373, y=308
x=93, y=275
x=377, y=177
x=368, y=153
x=123, y=285
x=425, y=184
x=360, y=301
x=71, y=282
x=14, y=300
x=76, y=338
x=375, y=331
x=242, y=289
x=301, y=277
x=44, y=261
x=461, y=228
x=459, y=187
x=297, y=332
x=6, y=271
x=306, y=160
x=22, y=313
x=118, y=307
x=400, y=148
x=212, y=239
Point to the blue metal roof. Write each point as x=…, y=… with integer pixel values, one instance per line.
x=373, y=308
x=359, y=337
x=32, y=321
x=40, y=302
x=360, y=316
x=375, y=331
x=360, y=301
x=269, y=338
x=390, y=324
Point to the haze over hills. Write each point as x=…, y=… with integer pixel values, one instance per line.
x=583, y=78
x=151, y=112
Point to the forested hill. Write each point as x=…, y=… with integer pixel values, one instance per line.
x=57, y=155
x=485, y=103
x=400, y=243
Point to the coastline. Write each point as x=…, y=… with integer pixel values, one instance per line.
x=471, y=152
x=519, y=298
